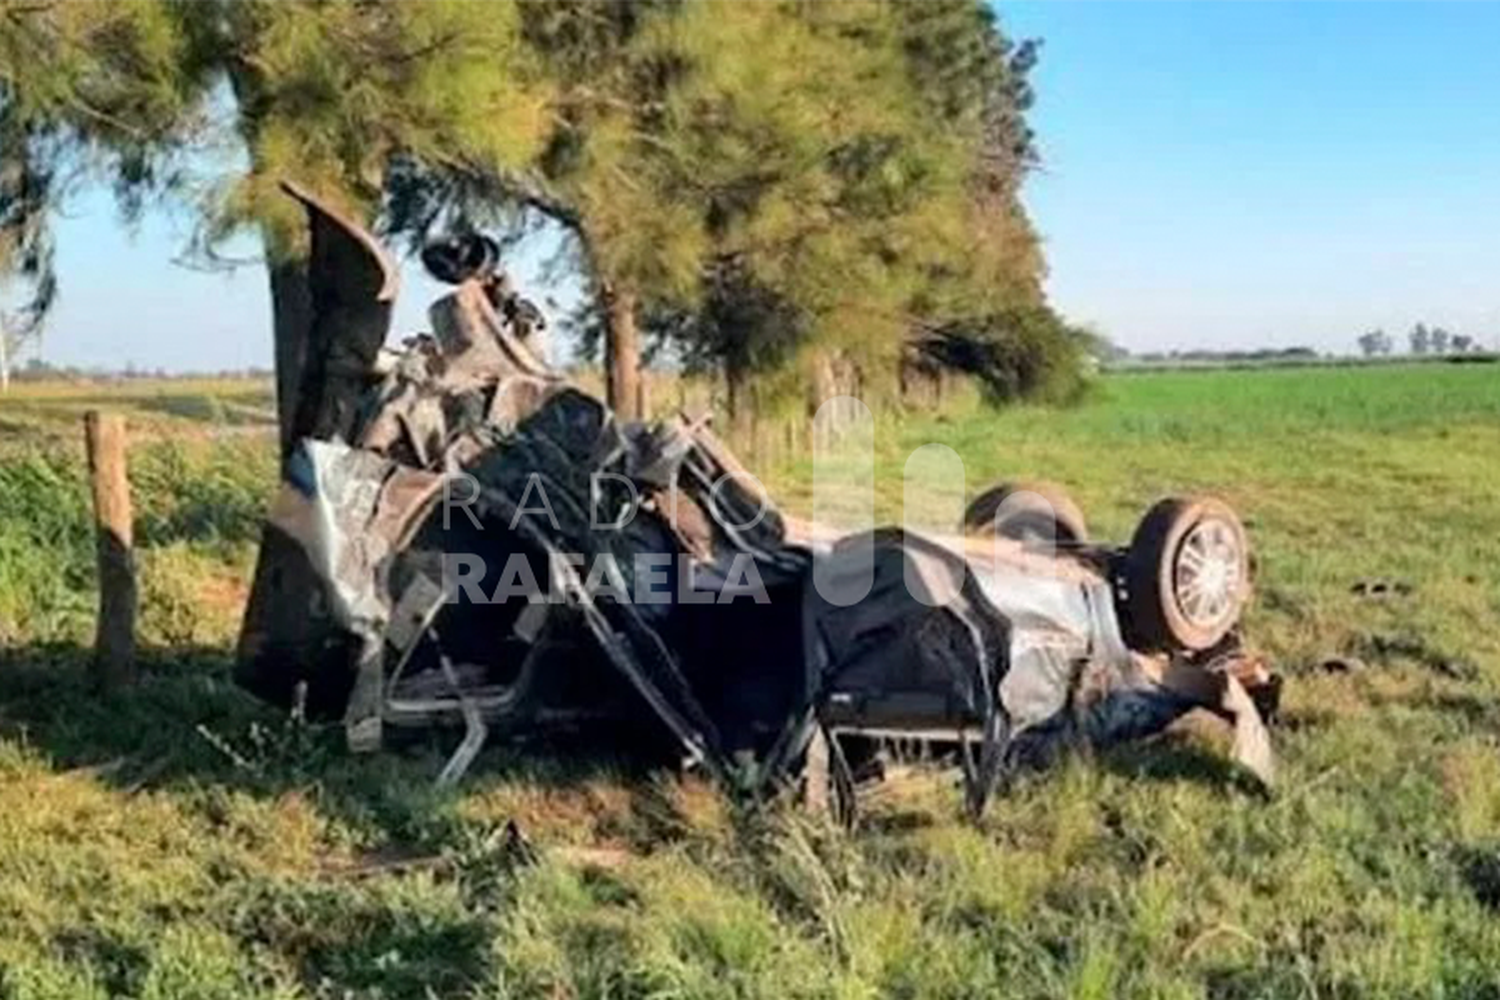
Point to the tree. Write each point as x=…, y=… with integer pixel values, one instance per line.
x=1439, y=340
x=22, y=326
x=150, y=94
x=81, y=86
x=713, y=159
x=25, y=262
x=1020, y=353
x=826, y=183
x=1462, y=343
x=611, y=169
x=799, y=180
x=1420, y=339
x=977, y=75
x=26, y=185
x=1375, y=342
x=865, y=188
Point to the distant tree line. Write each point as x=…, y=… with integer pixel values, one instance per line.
x=1421, y=339
x=1262, y=354
x=39, y=370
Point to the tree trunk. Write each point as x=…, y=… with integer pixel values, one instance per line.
x=291, y=302
x=4, y=363
x=741, y=406
x=622, y=351
x=291, y=323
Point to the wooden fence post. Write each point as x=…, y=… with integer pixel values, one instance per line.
x=114, y=641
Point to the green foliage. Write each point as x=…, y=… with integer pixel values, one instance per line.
x=778, y=181
x=1022, y=353
x=331, y=94
x=216, y=497
x=823, y=174
x=198, y=513
x=80, y=85
x=845, y=161
x=46, y=548
x=742, y=325
x=327, y=94
x=83, y=87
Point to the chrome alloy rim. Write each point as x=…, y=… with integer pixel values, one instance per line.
x=1206, y=575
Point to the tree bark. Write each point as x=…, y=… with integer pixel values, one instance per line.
x=114, y=640
x=622, y=351
x=741, y=406
x=734, y=391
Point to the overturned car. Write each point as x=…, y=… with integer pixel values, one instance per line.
x=462, y=536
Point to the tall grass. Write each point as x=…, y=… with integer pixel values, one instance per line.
x=197, y=505
x=46, y=548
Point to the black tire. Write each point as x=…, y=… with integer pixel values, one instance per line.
x=1186, y=575
x=1027, y=512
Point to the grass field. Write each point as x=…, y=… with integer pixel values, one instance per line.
x=181, y=841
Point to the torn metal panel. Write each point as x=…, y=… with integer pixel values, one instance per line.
x=352, y=283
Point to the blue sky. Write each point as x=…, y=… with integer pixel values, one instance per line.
x=1216, y=175
x=1243, y=174
x=126, y=301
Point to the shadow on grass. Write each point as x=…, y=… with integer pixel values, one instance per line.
x=49, y=701
x=186, y=727
x=185, y=724
x=1174, y=758
x=186, y=730
x=1461, y=710
x=186, y=721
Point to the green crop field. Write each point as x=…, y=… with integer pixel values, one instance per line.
x=180, y=841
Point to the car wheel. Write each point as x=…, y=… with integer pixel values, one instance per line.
x=1187, y=575
x=1027, y=512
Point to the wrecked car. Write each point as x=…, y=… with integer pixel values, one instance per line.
x=462, y=536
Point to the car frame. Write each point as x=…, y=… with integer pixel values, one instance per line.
x=1007, y=639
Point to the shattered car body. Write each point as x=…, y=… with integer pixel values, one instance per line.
x=462, y=535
